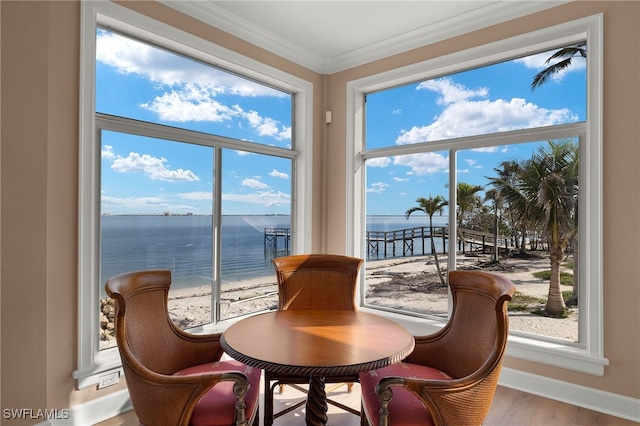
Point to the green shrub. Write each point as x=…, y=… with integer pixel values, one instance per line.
x=566, y=278
x=522, y=302
x=542, y=313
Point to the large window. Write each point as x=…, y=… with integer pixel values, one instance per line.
x=464, y=164
x=159, y=203
x=190, y=160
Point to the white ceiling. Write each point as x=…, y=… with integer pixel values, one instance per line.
x=330, y=36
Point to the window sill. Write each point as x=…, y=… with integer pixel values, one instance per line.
x=105, y=363
x=554, y=353
x=108, y=360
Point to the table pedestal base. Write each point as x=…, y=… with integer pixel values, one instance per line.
x=316, y=402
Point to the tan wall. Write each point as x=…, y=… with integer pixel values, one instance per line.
x=39, y=173
x=25, y=120
x=621, y=174
x=39, y=169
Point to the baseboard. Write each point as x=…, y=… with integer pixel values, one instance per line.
x=581, y=396
x=95, y=411
x=111, y=405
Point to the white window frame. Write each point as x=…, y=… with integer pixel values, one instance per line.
x=588, y=357
x=92, y=362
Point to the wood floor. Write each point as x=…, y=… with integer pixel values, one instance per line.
x=510, y=408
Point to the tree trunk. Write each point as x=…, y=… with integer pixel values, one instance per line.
x=435, y=253
x=523, y=243
x=494, y=259
x=555, y=303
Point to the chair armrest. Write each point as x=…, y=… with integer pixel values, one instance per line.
x=443, y=398
x=385, y=394
x=190, y=388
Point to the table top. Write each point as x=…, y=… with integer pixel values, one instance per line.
x=317, y=342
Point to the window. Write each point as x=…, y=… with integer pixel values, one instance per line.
x=443, y=146
x=191, y=156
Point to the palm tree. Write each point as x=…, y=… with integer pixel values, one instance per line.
x=431, y=206
x=507, y=183
x=497, y=202
x=566, y=54
x=467, y=200
x=550, y=180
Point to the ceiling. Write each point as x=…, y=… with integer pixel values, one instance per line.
x=330, y=36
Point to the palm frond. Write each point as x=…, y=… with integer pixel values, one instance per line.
x=566, y=54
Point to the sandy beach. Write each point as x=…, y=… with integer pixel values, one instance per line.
x=191, y=306
x=409, y=283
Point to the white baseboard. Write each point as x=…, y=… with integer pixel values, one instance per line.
x=111, y=405
x=95, y=411
x=592, y=399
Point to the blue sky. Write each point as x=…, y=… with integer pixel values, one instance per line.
x=480, y=101
x=141, y=175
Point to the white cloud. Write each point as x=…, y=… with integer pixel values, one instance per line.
x=148, y=204
x=254, y=183
x=108, y=153
x=378, y=187
x=266, y=126
x=190, y=103
x=423, y=163
x=473, y=163
x=397, y=111
x=196, y=196
x=138, y=204
x=152, y=167
x=450, y=91
x=276, y=173
x=266, y=198
x=463, y=116
x=379, y=162
x=164, y=68
x=188, y=88
x=399, y=179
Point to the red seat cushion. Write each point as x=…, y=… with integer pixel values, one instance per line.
x=217, y=407
x=404, y=408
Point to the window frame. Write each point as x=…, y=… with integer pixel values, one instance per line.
x=587, y=357
x=93, y=363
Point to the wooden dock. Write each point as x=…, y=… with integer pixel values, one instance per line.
x=404, y=242
x=277, y=240
x=401, y=242
x=417, y=241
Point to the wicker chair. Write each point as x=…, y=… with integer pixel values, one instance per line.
x=312, y=281
x=451, y=376
x=174, y=377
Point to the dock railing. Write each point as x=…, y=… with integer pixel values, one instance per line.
x=414, y=241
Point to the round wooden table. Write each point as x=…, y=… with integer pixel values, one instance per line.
x=317, y=343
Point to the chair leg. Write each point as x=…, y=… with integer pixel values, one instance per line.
x=349, y=387
x=280, y=389
x=363, y=416
x=256, y=420
x=268, y=402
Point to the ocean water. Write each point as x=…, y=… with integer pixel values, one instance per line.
x=183, y=244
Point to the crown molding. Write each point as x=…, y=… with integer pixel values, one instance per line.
x=492, y=14
x=483, y=17
x=235, y=25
